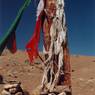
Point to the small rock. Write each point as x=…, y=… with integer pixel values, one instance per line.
x=19, y=93
x=15, y=76
x=81, y=79
x=4, y=92
x=7, y=65
x=13, y=90
x=1, y=79
x=73, y=70
x=1, y=68
x=93, y=61
x=51, y=94
x=27, y=62
x=8, y=86
x=63, y=93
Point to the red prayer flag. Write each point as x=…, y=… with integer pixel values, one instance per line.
x=32, y=46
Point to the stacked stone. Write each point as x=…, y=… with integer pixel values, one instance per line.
x=12, y=89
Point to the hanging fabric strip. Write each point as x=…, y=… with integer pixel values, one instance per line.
x=32, y=46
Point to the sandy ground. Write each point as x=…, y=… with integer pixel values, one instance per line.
x=15, y=67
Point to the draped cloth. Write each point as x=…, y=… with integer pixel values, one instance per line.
x=11, y=44
x=32, y=46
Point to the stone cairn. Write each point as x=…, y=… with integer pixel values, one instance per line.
x=12, y=88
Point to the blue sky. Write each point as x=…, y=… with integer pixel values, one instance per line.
x=80, y=15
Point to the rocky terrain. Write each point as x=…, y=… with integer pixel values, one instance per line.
x=17, y=68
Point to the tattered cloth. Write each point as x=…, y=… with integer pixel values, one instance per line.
x=32, y=46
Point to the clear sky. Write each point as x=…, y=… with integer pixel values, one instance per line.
x=80, y=15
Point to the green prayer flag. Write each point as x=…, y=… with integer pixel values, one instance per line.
x=5, y=40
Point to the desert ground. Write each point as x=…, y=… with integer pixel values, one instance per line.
x=16, y=67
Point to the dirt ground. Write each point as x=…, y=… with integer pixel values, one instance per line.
x=16, y=67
